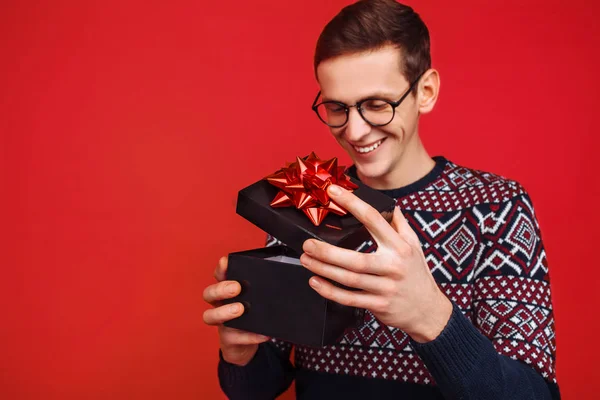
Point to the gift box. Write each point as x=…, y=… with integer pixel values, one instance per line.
x=279, y=302
x=277, y=298
x=293, y=227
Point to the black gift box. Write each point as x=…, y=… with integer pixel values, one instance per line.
x=292, y=227
x=277, y=298
x=279, y=302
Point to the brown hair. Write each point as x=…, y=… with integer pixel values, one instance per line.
x=371, y=24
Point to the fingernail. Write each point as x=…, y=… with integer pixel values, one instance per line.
x=234, y=309
x=335, y=190
x=262, y=337
x=308, y=246
x=314, y=283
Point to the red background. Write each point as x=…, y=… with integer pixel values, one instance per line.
x=128, y=127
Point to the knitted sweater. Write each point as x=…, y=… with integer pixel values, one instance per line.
x=482, y=242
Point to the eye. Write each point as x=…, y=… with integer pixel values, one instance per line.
x=375, y=105
x=334, y=108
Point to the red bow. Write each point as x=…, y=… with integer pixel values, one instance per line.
x=304, y=184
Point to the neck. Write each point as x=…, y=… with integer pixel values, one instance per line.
x=414, y=164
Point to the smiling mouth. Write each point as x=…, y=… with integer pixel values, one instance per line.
x=368, y=149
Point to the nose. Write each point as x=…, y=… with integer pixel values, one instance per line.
x=356, y=127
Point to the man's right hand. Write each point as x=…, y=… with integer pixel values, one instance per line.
x=237, y=347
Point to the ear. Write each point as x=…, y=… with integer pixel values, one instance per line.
x=428, y=90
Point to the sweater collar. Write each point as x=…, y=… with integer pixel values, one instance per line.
x=440, y=164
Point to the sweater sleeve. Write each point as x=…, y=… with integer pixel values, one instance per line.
x=266, y=376
x=508, y=351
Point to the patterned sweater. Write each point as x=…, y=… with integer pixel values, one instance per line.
x=482, y=242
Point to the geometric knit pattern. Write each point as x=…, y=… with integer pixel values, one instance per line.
x=482, y=243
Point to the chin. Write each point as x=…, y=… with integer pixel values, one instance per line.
x=372, y=171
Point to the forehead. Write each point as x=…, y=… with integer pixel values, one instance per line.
x=351, y=77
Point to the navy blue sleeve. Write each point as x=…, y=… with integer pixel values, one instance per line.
x=266, y=376
x=466, y=365
x=506, y=348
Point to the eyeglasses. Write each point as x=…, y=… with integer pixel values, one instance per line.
x=376, y=112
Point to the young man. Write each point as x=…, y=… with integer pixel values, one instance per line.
x=456, y=288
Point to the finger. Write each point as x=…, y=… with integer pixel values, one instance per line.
x=401, y=225
x=363, y=263
x=219, y=315
x=397, y=219
x=346, y=297
x=221, y=291
x=233, y=337
x=221, y=269
x=367, y=282
x=379, y=228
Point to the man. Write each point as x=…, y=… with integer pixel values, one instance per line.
x=456, y=287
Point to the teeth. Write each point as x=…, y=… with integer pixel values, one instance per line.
x=368, y=149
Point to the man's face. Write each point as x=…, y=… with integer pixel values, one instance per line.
x=376, y=151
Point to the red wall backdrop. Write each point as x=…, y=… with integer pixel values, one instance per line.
x=128, y=127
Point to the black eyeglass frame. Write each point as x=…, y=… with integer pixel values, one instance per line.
x=393, y=104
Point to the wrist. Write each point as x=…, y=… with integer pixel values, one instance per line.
x=239, y=355
x=432, y=321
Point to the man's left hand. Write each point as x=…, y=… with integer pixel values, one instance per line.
x=394, y=282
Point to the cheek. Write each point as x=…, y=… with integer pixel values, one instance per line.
x=395, y=130
x=406, y=121
x=402, y=126
x=338, y=134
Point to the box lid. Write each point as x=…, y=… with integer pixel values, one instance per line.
x=292, y=227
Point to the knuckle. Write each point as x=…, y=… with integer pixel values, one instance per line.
x=415, y=241
x=215, y=292
x=220, y=289
x=384, y=286
x=376, y=308
x=353, y=280
x=397, y=272
x=384, y=305
x=363, y=263
x=389, y=288
x=359, y=264
x=386, y=257
x=219, y=315
x=405, y=251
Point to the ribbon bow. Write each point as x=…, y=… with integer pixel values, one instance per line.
x=304, y=184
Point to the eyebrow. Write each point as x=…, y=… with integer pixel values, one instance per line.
x=375, y=95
